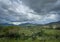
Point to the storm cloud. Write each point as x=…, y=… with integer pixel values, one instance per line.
x=32, y=11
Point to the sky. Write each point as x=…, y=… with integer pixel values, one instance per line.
x=29, y=11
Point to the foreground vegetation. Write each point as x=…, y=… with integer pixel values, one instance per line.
x=29, y=34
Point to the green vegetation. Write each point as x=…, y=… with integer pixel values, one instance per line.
x=29, y=34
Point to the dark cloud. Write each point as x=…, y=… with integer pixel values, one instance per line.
x=41, y=5
x=44, y=6
x=41, y=11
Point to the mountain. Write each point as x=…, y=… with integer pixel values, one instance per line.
x=49, y=25
x=31, y=24
x=5, y=24
x=54, y=23
x=28, y=24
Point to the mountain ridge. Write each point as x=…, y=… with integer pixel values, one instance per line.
x=25, y=24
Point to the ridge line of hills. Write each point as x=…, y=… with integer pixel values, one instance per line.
x=25, y=24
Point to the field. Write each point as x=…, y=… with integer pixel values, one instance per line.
x=28, y=34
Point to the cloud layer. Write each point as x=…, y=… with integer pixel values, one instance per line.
x=32, y=11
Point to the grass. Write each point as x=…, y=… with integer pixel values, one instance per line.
x=49, y=35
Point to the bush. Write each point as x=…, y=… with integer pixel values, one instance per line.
x=12, y=35
x=58, y=28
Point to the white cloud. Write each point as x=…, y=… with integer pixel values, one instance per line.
x=24, y=11
x=16, y=23
x=52, y=16
x=18, y=11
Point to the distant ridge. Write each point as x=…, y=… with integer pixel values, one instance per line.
x=31, y=24
x=54, y=23
x=5, y=24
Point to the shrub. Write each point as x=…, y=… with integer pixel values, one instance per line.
x=12, y=35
